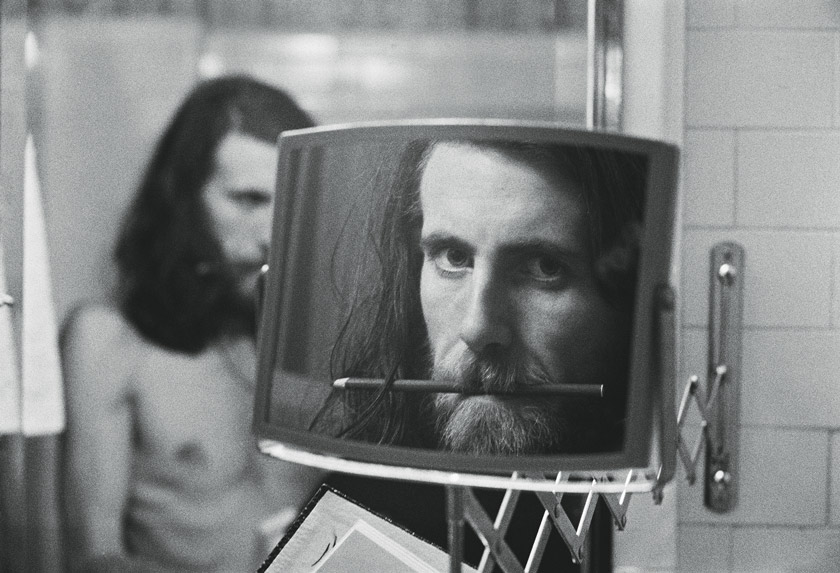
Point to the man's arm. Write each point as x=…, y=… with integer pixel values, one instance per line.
x=97, y=359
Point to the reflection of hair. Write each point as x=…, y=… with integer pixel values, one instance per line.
x=166, y=247
x=385, y=335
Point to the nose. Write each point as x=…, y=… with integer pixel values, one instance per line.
x=486, y=322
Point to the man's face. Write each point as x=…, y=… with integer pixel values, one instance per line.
x=239, y=199
x=510, y=299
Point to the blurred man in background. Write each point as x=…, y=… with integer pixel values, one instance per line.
x=162, y=472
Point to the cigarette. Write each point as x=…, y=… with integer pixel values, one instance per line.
x=445, y=387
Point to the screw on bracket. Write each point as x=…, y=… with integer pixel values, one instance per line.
x=727, y=274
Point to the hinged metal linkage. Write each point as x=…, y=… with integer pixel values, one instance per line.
x=574, y=537
x=492, y=532
x=704, y=405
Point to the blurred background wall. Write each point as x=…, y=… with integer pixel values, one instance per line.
x=111, y=73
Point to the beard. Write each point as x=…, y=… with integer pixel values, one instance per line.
x=509, y=424
x=233, y=296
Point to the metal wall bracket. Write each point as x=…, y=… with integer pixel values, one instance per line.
x=719, y=408
x=725, y=312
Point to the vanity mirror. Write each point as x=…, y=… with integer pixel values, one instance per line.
x=465, y=296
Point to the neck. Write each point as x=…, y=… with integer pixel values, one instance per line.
x=239, y=356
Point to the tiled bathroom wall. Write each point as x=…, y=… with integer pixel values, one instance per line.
x=762, y=167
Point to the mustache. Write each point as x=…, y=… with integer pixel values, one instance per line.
x=220, y=268
x=494, y=372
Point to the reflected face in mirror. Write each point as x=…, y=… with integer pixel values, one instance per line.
x=239, y=199
x=493, y=291
x=510, y=300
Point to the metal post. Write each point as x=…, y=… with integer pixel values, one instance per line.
x=455, y=522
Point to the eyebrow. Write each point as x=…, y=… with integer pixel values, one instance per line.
x=544, y=246
x=437, y=240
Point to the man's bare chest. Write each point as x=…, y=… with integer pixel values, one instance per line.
x=192, y=419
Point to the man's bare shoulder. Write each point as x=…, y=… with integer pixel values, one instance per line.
x=100, y=325
x=100, y=346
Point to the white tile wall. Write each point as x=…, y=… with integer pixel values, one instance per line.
x=753, y=79
x=767, y=550
x=835, y=286
x=709, y=177
x=710, y=13
x=788, y=179
x=762, y=103
x=782, y=481
x=837, y=81
x=704, y=548
x=819, y=14
x=834, y=479
x=789, y=378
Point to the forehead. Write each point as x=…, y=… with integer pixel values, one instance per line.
x=246, y=161
x=485, y=197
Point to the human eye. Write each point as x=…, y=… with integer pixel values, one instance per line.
x=250, y=198
x=450, y=261
x=546, y=270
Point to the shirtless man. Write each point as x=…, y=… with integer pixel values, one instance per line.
x=162, y=471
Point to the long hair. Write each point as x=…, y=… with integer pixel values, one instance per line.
x=169, y=286
x=385, y=334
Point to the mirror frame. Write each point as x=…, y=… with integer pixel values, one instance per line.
x=645, y=381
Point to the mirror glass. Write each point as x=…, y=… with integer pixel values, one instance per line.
x=465, y=295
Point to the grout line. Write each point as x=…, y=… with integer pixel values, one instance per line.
x=770, y=29
x=836, y=73
x=711, y=28
x=730, y=558
x=693, y=327
x=736, y=147
x=685, y=75
x=761, y=228
x=707, y=227
x=832, y=286
x=711, y=129
x=790, y=30
x=790, y=428
x=791, y=130
x=816, y=527
x=695, y=425
x=785, y=129
x=829, y=485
